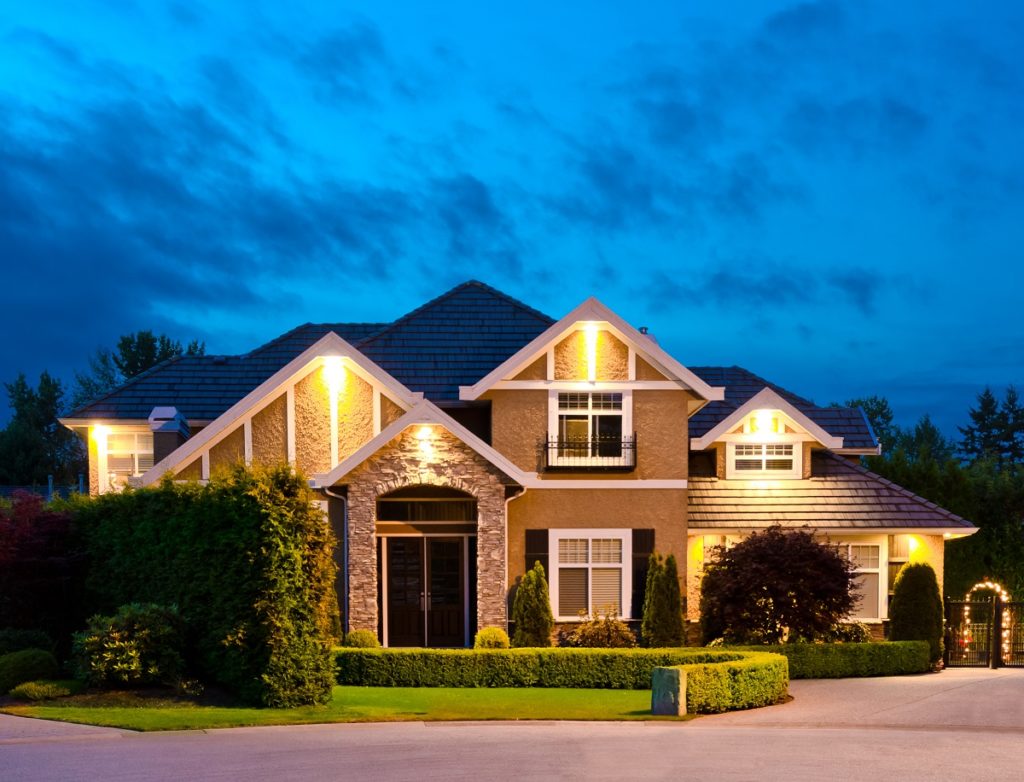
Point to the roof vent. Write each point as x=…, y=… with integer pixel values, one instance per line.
x=168, y=419
x=643, y=330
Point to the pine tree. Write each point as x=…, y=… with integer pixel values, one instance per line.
x=1012, y=413
x=982, y=438
x=663, y=615
x=531, y=610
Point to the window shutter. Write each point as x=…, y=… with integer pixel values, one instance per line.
x=643, y=547
x=537, y=550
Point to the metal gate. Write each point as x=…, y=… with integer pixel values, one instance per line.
x=984, y=634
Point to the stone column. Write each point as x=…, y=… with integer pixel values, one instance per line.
x=491, y=564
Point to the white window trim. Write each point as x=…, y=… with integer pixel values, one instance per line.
x=114, y=479
x=625, y=535
x=733, y=474
x=882, y=571
x=591, y=461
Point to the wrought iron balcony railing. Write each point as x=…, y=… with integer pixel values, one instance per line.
x=590, y=455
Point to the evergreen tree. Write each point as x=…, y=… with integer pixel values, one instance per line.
x=880, y=416
x=916, y=612
x=531, y=610
x=983, y=437
x=35, y=444
x=1012, y=412
x=663, y=613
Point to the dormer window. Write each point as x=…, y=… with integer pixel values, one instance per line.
x=763, y=460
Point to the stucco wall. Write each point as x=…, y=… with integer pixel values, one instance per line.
x=312, y=424
x=270, y=433
x=404, y=462
x=519, y=423
x=193, y=471
x=612, y=357
x=645, y=371
x=94, y=464
x=355, y=414
x=663, y=510
x=389, y=412
x=228, y=451
x=538, y=370
x=659, y=418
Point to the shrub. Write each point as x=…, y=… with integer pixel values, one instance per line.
x=248, y=560
x=12, y=640
x=45, y=690
x=25, y=666
x=916, y=611
x=361, y=639
x=846, y=660
x=531, y=610
x=141, y=644
x=775, y=583
x=491, y=638
x=663, y=614
x=848, y=632
x=600, y=631
x=758, y=679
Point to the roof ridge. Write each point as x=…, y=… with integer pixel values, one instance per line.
x=448, y=294
x=278, y=338
x=899, y=489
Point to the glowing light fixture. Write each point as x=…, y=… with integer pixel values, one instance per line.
x=425, y=437
x=590, y=339
x=764, y=422
x=99, y=433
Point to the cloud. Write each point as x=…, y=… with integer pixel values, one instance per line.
x=341, y=63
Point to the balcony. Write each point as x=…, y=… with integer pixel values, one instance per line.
x=600, y=454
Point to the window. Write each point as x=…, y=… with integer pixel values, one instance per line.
x=590, y=429
x=763, y=460
x=592, y=572
x=128, y=454
x=867, y=559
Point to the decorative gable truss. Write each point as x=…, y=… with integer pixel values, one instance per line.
x=593, y=349
x=313, y=413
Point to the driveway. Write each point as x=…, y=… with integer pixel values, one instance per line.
x=960, y=724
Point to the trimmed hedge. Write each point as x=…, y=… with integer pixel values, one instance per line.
x=25, y=666
x=846, y=660
x=248, y=560
x=615, y=669
x=758, y=679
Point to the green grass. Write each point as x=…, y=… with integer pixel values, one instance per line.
x=352, y=704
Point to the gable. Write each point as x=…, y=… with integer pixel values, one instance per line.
x=313, y=413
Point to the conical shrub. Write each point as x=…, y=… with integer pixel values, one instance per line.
x=916, y=611
x=531, y=610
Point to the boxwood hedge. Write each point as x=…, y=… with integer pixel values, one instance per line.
x=757, y=679
x=606, y=668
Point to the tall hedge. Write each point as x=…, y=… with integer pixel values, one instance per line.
x=916, y=610
x=247, y=559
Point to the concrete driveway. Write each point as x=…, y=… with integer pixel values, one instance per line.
x=961, y=725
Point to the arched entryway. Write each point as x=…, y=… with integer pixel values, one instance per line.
x=426, y=565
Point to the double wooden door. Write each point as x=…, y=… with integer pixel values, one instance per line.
x=426, y=591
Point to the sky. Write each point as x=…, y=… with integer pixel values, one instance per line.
x=829, y=194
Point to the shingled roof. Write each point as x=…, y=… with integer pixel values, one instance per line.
x=839, y=495
x=850, y=423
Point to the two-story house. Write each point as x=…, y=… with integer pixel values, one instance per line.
x=457, y=445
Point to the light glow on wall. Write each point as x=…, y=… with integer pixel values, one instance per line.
x=590, y=340
x=425, y=438
x=764, y=422
x=333, y=374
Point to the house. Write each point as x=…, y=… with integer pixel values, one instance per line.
x=470, y=438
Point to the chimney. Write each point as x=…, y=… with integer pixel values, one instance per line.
x=170, y=429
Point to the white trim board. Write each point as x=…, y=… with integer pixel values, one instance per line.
x=593, y=310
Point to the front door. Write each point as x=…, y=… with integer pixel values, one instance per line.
x=426, y=596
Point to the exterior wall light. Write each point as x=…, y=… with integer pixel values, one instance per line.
x=425, y=438
x=590, y=341
x=764, y=422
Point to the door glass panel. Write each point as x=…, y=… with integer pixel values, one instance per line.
x=609, y=434
x=573, y=429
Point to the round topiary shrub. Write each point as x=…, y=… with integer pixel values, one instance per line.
x=361, y=639
x=141, y=644
x=25, y=666
x=916, y=610
x=491, y=638
x=601, y=631
x=531, y=610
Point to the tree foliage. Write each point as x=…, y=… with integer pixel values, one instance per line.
x=531, y=610
x=775, y=585
x=916, y=611
x=35, y=445
x=662, y=623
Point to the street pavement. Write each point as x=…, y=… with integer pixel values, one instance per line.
x=957, y=725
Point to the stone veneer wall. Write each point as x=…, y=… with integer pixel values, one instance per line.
x=402, y=463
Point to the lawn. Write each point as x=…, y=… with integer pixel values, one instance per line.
x=351, y=704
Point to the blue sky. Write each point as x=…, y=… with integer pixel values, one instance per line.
x=829, y=194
